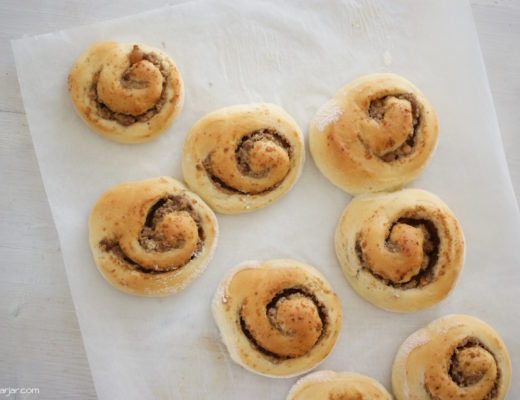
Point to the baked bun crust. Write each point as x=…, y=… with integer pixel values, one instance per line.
x=456, y=357
x=277, y=318
x=128, y=93
x=402, y=251
x=375, y=134
x=242, y=158
x=151, y=238
x=330, y=385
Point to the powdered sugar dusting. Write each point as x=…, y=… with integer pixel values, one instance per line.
x=318, y=376
x=415, y=340
x=327, y=114
x=438, y=327
x=443, y=325
x=221, y=293
x=405, y=387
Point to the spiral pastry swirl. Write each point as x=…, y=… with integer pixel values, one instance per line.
x=242, y=158
x=277, y=318
x=456, y=357
x=402, y=251
x=376, y=134
x=127, y=93
x=330, y=385
x=151, y=238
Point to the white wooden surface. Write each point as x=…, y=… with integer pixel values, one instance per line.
x=40, y=342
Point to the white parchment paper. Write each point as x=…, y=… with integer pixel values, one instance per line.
x=295, y=54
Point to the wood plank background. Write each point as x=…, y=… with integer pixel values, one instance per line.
x=40, y=342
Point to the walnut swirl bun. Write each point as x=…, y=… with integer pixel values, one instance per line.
x=277, y=318
x=152, y=237
x=330, y=385
x=244, y=157
x=456, y=357
x=128, y=93
x=402, y=251
x=375, y=134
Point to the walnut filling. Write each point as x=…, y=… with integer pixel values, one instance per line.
x=246, y=145
x=152, y=240
x=377, y=110
x=124, y=119
x=463, y=373
x=427, y=272
x=242, y=157
x=271, y=310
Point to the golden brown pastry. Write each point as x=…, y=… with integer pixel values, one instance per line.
x=456, y=357
x=126, y=92
x=152, y=237
x=242, y=158
x=375, y=134
x=330, y=385
x=402, y=251
x=277, y=318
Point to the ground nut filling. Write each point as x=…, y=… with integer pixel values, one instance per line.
x=377, y=110
x=458, y=374
x=271, y=312
x=245, y=146
x=124, y=119
x=427, y=272
x=462, y=379
x=242, y=152
x=151, y=240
